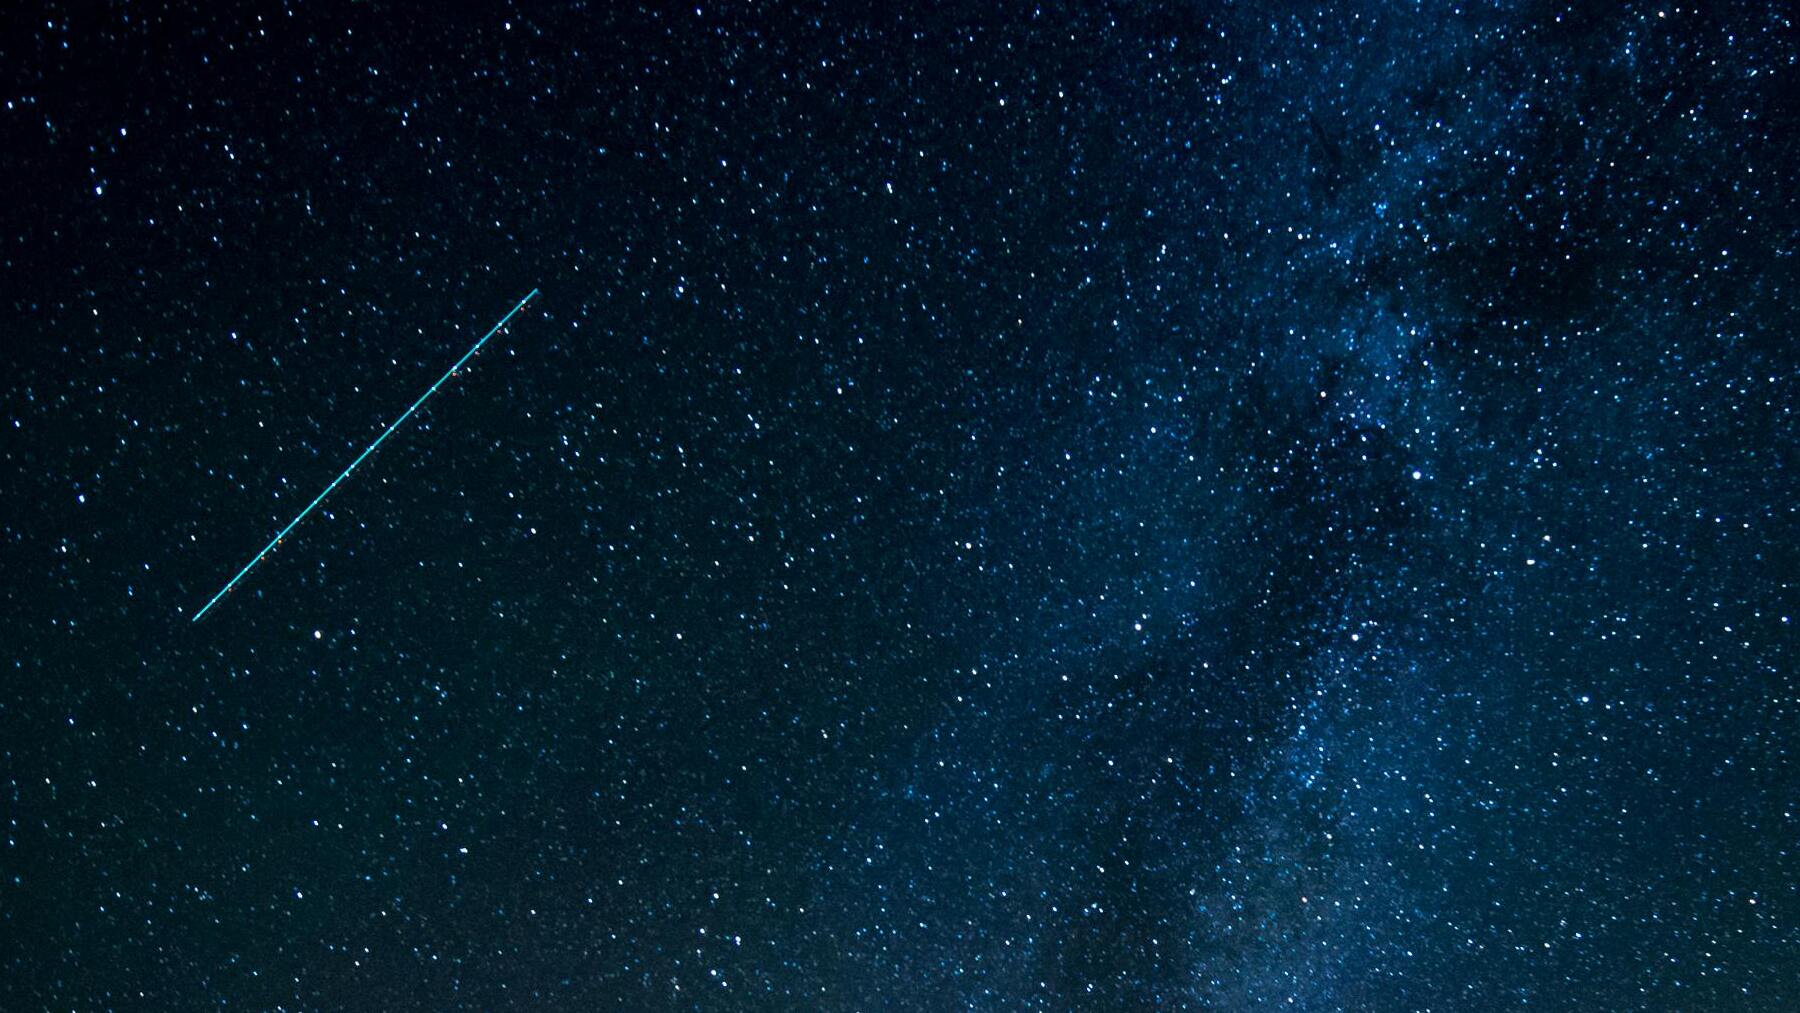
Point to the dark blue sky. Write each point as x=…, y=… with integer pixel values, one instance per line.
x=1099, y=507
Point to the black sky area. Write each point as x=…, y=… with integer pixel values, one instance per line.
x=1108, y=506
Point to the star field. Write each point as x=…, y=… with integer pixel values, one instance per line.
x=1105, y=506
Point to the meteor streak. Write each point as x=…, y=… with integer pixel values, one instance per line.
x=371, y=449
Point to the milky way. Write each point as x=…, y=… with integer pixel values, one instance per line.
x=1075, y=507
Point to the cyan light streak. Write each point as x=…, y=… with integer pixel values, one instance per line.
x=371, y=449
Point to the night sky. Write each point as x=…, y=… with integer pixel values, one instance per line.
x=1093, y=507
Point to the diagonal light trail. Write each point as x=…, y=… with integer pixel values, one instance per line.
x=389, y=431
